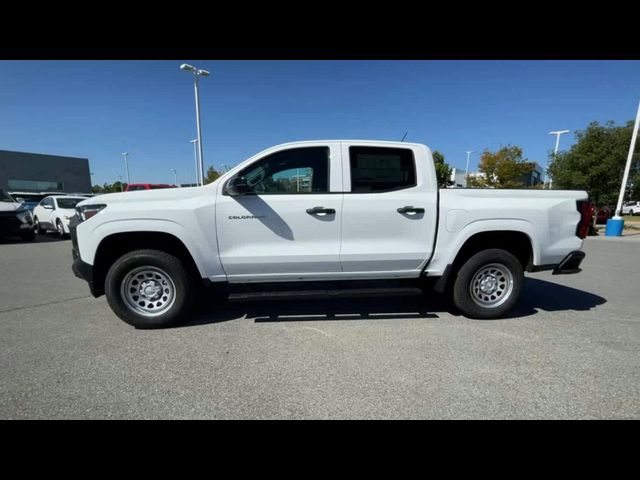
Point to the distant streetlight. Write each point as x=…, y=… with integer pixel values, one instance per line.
x=197, y=73
x=557, y=134
x=126, y=166
x=195, y=154
x=466, y=173
x=175, y=177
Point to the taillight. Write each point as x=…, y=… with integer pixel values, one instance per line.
x=584, y=207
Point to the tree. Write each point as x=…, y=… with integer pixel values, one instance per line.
x=211, y=176
x=503, y=169
x=596, y=162
x=108, y=188
x=443, y=170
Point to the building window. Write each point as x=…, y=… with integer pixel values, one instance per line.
x=35, y=185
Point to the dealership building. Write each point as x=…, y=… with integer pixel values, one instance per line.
x=35, y=172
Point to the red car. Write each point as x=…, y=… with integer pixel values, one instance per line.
x=603, y=214
x=147, y=186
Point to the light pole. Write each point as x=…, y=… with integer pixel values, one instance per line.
x=466, y=173
x=557, y=134
x=126, y=166
x=195, y=154
x=625, y=176
x=197, y=73
x=175, y=176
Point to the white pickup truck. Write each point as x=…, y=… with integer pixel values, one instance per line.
x=337, y=211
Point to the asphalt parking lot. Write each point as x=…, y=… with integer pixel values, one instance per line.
x=570, y=351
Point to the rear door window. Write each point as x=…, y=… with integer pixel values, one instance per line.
x=381, y=169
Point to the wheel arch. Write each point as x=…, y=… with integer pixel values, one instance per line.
x=515, y=242
x=113, y=246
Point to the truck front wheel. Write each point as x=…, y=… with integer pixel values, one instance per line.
x=149, y=289
x=488, y=285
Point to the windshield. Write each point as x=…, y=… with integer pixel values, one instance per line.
x=69, y=202
x=5, y=197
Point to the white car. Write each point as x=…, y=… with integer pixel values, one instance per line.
x=54, y=213
x=335, y=210
x=631, y=208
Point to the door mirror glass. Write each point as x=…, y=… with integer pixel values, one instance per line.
x=237, y=186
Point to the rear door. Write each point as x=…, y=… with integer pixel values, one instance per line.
x=389, y=211
x=288, y=227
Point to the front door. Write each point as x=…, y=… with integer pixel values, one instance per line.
x=288, y=226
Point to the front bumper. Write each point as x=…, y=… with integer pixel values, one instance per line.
x=570, y=263
x=10, y=224
x=80, y=269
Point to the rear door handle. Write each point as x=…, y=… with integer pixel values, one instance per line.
x=411, y=210
x=317, y=210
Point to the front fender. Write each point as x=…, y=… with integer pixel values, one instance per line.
x=203, y=254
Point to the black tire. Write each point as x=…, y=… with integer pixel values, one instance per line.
x=183, y=283
x=60, y=229
x=507, y=265
x=28, y=236
x=37, y=228
x=631, y=212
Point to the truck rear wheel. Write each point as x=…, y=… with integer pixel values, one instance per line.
x=488, y=285
x=149, y=289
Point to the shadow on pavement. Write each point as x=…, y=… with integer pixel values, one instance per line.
x=553, y=297
x=537, y=295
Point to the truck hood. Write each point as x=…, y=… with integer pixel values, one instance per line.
x=161, y=194
x=9, y=206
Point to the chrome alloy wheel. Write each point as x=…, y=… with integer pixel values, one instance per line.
x=491, y=285
x=148, y=291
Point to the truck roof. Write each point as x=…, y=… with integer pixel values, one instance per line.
x=380, y=142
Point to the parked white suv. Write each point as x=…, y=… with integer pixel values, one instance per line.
x=334, y=211
x=54, y=213
x=631, y=208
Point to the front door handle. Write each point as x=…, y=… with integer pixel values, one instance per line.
x=411, y=210
x=317, y=210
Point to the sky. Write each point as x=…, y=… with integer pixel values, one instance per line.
x=99, y=109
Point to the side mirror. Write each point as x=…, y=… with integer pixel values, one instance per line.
x=48, y=207
x=237, y=186
x=19, y=199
